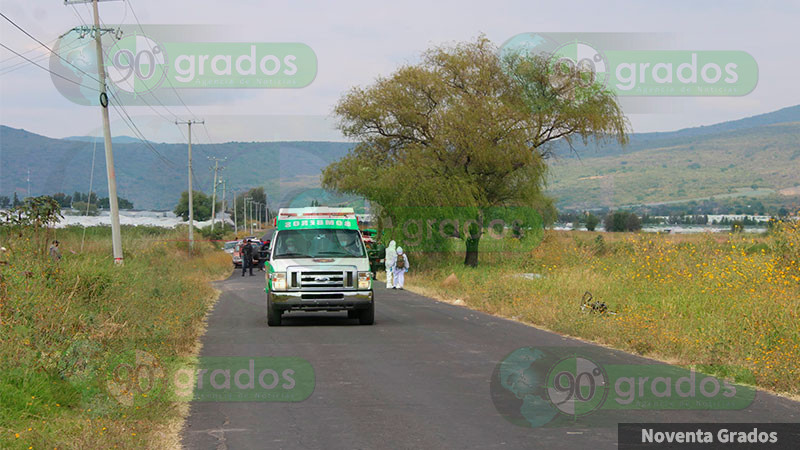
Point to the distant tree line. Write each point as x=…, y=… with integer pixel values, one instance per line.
x=67, y=201
x=760, y=206
x=78, y=200
x=612, y=221
x=6, y=202
x=201, y=206
x=697, y=212
x=622, y=221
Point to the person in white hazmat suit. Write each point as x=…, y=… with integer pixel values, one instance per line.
x=400, y=269
x=391, y=257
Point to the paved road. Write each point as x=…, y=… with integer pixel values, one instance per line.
x=419, y=378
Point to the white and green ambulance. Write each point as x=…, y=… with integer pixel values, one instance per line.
x=318, y=262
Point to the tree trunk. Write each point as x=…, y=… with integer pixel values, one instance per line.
x=472, y=237
x=471, y=257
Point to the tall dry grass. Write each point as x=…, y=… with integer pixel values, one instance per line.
x=729, y=304
x=66, y=325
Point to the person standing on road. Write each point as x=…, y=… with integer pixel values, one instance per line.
x=247, y=257
x=388, y=260
x=400, y=269
x=55, y=252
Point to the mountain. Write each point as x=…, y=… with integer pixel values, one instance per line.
x=154, y=178
x=114, y=140
x=643, y=141
x=753, y=156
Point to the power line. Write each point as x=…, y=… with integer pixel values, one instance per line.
x=117, y=105
x=141, y=98
x=45, y=68
x=26, y=52
x=48, y=48
x=91, y=180
x=38, y=58
x=130, y=5
x=135, y=129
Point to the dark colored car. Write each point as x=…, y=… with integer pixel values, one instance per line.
x=375, y=250
x=258, y=250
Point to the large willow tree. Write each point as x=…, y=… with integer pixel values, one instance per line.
x=466, y=131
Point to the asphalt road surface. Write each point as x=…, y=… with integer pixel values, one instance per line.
x=419, y=378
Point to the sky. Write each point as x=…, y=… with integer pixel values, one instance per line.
x=357, y=41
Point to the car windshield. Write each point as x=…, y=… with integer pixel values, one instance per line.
x=230, y=245
x=318, y=243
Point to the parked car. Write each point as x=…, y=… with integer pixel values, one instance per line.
x=375, y=250
x=230, y=246
x=236, y=256
x=257, y=250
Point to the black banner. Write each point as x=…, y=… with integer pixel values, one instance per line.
x=708, y=436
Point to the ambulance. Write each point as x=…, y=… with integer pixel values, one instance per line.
x=318, y=262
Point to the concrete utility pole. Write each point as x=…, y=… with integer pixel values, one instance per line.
x=235, y=224
x=266, y=207
x=224, y=205
x=191, y=197
x=246, y=228
x=214, y=195
x=116, y=238
x=244, y=210
x=251, y=215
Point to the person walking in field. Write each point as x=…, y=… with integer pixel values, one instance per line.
x=247, y=257
x=400, y=268
x=55, y=252
x=388, y=260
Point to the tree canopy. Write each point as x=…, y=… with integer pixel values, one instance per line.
x=465, y=133
x=201, y=204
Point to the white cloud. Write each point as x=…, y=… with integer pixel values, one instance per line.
x=355, y=41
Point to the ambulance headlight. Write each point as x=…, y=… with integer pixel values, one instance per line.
x=364, y=280
x=278, y=281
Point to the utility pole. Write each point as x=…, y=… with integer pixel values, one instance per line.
x=251, y=216
x=246, y=228
x=214, y=194
x=224, y=205
x=29, y=182
x=116, y=238
x=266, y=206
x=235, y=224
x=191, y=199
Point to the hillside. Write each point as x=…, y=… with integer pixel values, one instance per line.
x=285, y=169
x=754, y=161
x=726, y=159
x=643, y=141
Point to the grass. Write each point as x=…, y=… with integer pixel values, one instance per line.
x=66, y=326
x=727, y=303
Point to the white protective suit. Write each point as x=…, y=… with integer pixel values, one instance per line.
x=391, y=257
x=400, y=274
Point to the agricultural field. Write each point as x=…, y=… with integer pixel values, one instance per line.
x=725, y=304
